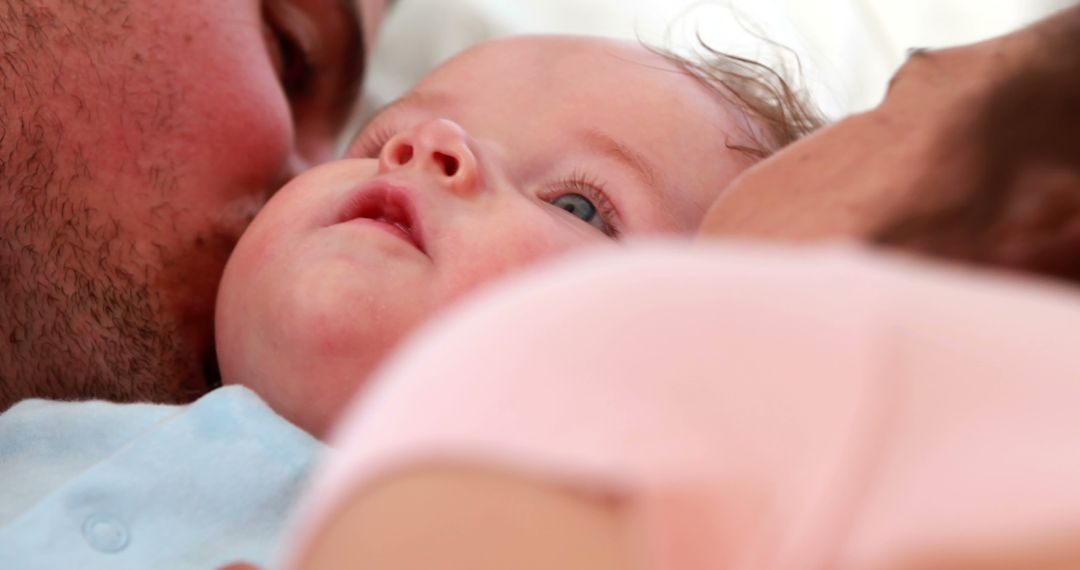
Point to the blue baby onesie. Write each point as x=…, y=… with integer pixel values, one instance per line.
x=113, y=486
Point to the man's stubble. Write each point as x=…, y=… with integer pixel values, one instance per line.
x=81, y=314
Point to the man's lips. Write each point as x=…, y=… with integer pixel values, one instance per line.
x=387, y=205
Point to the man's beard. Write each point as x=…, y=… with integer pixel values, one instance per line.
x=82, y=309
x=78, y=316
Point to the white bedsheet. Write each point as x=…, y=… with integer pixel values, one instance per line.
x=848, y=48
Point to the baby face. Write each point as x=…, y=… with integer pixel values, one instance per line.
x=513, y=152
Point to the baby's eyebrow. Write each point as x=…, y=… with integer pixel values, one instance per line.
x=606, y=144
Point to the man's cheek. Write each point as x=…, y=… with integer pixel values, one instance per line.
x=230, y=115
x=246, y=133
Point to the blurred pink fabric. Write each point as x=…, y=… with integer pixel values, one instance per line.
x=758, y=408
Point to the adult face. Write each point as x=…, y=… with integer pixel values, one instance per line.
x=513, y=152
x=139, y=138
x=914, y=152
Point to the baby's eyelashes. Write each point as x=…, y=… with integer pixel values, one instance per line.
x=584, y=197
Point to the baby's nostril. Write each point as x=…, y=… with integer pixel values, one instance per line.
x=448, y=163
x=403, y=153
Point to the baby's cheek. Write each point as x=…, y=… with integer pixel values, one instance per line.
x=518, y=252
x=554, y=239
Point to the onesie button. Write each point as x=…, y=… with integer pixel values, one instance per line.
x=105, y=533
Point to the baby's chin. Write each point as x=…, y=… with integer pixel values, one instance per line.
x=314, y=406
x=308, y=373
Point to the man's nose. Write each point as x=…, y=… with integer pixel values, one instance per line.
x=440, y=148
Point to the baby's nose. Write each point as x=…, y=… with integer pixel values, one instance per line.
x=441, y=149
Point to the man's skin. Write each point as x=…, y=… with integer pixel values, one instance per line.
x=137, y=139
x=911, y=153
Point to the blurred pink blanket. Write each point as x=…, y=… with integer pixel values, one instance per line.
x=760, y=408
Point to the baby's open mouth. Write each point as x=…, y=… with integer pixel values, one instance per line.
x=389, y=207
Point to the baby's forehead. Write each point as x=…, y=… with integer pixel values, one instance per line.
x=561, y=53
x=561, y=43
x=582, y=73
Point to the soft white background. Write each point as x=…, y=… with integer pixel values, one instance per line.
x=848, y=48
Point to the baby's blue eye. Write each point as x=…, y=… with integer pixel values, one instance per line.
x=584, y=197
x=577, y=205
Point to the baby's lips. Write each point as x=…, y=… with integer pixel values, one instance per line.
x=389, y=203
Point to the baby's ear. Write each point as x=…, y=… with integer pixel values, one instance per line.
x=239, y=566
